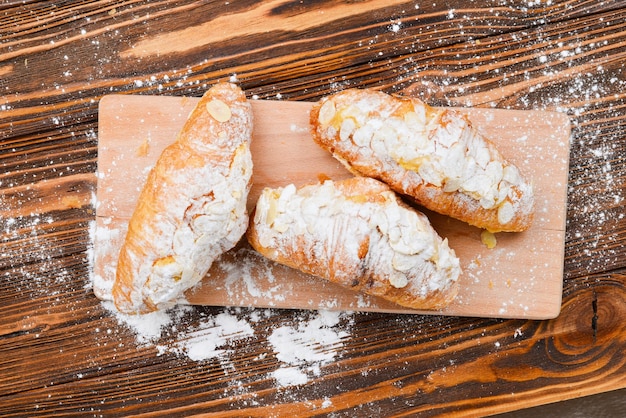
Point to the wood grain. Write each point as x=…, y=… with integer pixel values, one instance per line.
x=63, y=353
x=520, y=278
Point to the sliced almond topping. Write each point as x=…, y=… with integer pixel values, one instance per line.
x=327, y=113
x=218, y=110
x=505, y=212
x=142, y=149
x=347, y=128
x=272, y=211
x=164, y=261
x=398, y=280
x=488, y=238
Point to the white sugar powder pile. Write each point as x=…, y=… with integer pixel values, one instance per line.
x=147, y=327
x=305, y=347
x=208, y=340
x=301, y=346
x=212, y=337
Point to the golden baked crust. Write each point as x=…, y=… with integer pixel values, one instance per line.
x=357, y=233
x=192, y=206
x=432, y=155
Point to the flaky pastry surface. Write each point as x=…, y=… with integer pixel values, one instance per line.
x=192, y=207
x=357, y=233
x=432, y=155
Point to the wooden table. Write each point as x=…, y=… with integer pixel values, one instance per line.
x=63, y=352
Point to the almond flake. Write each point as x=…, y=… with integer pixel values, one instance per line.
x=218, y=110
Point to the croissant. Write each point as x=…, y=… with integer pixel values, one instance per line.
x=192, y=207
x=432, y=155
x=359, y=234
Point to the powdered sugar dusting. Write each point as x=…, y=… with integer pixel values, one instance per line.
x=147, y=327
x=301, y=345
x=303, y=348
x=211, y=338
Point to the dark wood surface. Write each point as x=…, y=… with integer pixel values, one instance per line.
x=63, y=353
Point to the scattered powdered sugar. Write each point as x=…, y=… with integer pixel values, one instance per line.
x=147, y=328
x=212, y=337
x=302, y=345
x=241, y=277
x=303, y=348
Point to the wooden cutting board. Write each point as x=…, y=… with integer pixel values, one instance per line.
x=520, y=278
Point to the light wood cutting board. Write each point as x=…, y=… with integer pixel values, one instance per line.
x=520, y=278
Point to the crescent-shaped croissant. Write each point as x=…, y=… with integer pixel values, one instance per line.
x=192, y=207
x=435, y=156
